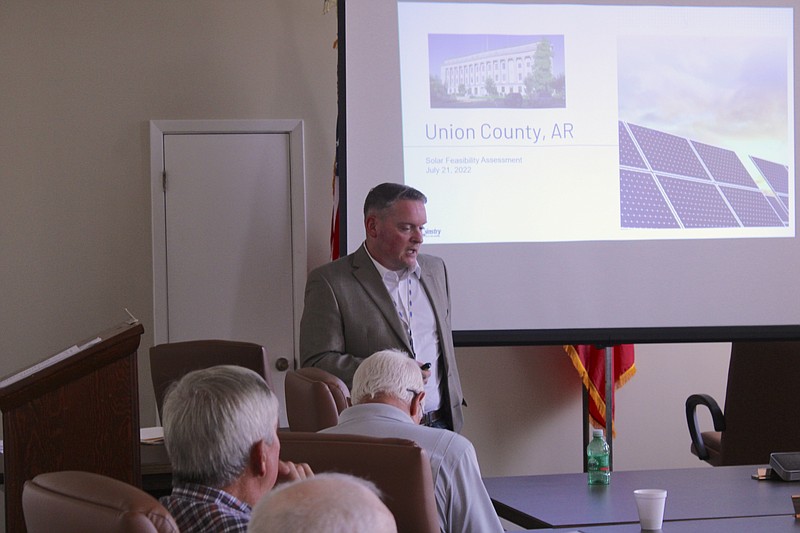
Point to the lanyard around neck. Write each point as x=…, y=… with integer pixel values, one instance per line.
x=406, y=313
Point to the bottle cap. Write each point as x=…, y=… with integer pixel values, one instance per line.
x=597, y=433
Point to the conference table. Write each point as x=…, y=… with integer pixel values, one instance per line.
x=750, y=524
x=706, y=493
x=155, y=466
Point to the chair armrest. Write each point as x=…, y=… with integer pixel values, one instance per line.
x=691, y=420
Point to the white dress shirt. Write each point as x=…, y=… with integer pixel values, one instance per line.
x=416, y=313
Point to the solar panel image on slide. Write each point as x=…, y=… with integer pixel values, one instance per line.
x=667, y=181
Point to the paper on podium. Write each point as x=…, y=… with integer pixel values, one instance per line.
x=50, y=361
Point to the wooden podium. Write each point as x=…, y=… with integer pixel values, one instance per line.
x=76, y=410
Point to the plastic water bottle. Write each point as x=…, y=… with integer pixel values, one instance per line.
x=597, y=454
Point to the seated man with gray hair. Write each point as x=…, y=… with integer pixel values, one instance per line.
x=220, y=427
x=328, y=502
x=388, y=398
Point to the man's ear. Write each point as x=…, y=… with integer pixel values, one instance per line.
x=370, y=224
x=416, y=405
x=258, y=458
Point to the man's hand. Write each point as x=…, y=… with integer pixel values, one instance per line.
x=289, y=471
x=426, y=372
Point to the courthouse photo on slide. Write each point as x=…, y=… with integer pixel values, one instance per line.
x=480, y=71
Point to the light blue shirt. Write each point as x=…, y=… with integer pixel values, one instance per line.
x=462, y=502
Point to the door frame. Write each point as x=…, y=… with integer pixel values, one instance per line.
x=161, y=128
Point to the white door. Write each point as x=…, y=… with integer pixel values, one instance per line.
x=229, y=236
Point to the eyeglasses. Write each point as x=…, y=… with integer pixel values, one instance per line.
x=414, y=392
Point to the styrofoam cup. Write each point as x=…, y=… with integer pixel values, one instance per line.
x=650, y=503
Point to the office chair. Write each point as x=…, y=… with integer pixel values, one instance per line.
x=314, y=399
x=398, y=467
x=170, y=361
x=760, y=414
x=77, y=502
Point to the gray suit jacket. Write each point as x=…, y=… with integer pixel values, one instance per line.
x=348, y=315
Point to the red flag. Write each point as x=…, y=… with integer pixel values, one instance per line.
x=590, y=362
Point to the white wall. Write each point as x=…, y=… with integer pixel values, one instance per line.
x=80, y=81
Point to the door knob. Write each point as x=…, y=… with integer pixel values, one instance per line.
x=282, y=364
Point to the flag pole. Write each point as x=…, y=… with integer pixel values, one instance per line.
x=586, y=423
x=610, y=405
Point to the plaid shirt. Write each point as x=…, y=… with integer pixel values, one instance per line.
x=197, y=508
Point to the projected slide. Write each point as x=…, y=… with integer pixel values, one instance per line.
x=592, y=123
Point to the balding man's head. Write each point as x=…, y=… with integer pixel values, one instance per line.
x=334, y=503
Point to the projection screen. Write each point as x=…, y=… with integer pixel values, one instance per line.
x=595, y=173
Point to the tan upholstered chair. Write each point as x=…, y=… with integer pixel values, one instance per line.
x=314, y=399
x=761, y=400
x=170, y=361
x=399, y=468
x=79, y=502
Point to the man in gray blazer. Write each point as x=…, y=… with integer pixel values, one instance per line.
x=386, y=295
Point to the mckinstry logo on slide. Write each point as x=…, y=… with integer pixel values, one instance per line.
x=432, y=232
